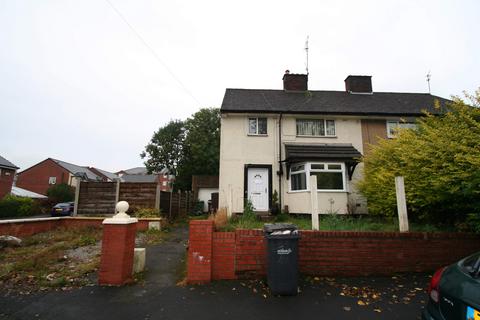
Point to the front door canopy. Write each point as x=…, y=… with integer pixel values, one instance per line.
x=323, y=152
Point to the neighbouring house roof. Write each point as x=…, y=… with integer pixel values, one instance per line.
x=139, y=178
x=141, y=170
x=334, y=151
x=136, y=170
x=329, y=102
x=4, y=163
x=19, y=192
x=110, y=175
x=79, y=170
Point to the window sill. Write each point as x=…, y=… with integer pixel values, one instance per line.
x=256, y=135
x=318, y=191
x=329, y=137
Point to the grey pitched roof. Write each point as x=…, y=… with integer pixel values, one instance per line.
x=109, y=175
x=4, y=163
x=329, y=102
x=136, y=170
x=74, y=169
x=338, y=151
x=20, y=192
x=139, y=178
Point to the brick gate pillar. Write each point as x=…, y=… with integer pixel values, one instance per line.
x=118, y=245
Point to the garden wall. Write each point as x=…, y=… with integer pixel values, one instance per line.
x=242, y=254
x=28, y=227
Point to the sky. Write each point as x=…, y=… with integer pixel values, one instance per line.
x=89, y=81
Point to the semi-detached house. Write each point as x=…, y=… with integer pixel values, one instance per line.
x=273, y=140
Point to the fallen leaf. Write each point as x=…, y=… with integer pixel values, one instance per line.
x=347, y=308
x=377, y=310
x=360, y=303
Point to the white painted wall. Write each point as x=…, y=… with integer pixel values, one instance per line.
x=205, y=194
x=237, y=148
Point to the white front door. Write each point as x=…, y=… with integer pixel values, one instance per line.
x=258, y=188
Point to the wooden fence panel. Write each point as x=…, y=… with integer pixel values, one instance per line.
x=138, y=195
x=96, y=198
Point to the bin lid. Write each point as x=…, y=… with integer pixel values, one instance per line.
x=280, y=228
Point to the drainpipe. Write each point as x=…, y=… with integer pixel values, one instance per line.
x=280, y=169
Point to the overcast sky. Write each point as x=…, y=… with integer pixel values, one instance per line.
x=77, y=84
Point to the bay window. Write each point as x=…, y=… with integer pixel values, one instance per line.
x=330, y=176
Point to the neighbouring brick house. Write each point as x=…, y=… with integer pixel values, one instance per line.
x=274, y=140
x=140, y=174
x=49, y=172
x=7, y=174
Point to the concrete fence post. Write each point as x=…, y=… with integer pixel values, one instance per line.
x=314, y=202
x=401, y=204
x=77, y=195
x=157, y=197
x=117, y=193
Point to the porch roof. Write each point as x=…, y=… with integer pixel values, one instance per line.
x=334, y=151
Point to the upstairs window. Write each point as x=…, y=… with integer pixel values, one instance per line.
x=393, y=126
x=52, y=180
x=316, y=127
x=257, y=126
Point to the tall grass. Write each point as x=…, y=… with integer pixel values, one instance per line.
x=330, y=222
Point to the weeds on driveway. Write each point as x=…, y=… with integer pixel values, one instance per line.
x=57, y=259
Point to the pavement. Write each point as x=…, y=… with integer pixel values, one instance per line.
x=157, y=296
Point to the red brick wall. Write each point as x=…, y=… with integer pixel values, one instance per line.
x=36, y=178
x=200, y=245
x=242, y=254
x=223, y=253
x=28, y=228
x=250, y=253
x=6, y=181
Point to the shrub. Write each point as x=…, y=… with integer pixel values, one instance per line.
x=439, y=162
x=145, y=213
x=61, y=193
x=12, y=206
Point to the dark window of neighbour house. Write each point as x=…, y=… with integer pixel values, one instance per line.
x=257, y=126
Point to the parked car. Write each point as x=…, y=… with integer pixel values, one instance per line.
x=63, y=209
x=454, y=291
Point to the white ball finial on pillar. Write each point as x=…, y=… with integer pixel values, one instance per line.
x=121, y=217
x=121, y=208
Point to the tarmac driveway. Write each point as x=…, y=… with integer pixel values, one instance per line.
x=158, y=296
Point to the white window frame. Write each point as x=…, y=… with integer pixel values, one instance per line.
x=393, y=125
x=52, y=180
x=308, y=170
x=256, y=133
x=325, y=135
x=305, y=171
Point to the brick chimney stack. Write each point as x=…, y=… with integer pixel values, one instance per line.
x=295, y=82
x=359, y=84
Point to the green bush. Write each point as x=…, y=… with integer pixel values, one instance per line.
x=145, y=213
x=439, y=161
x=61, y=193
x=12, y=206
